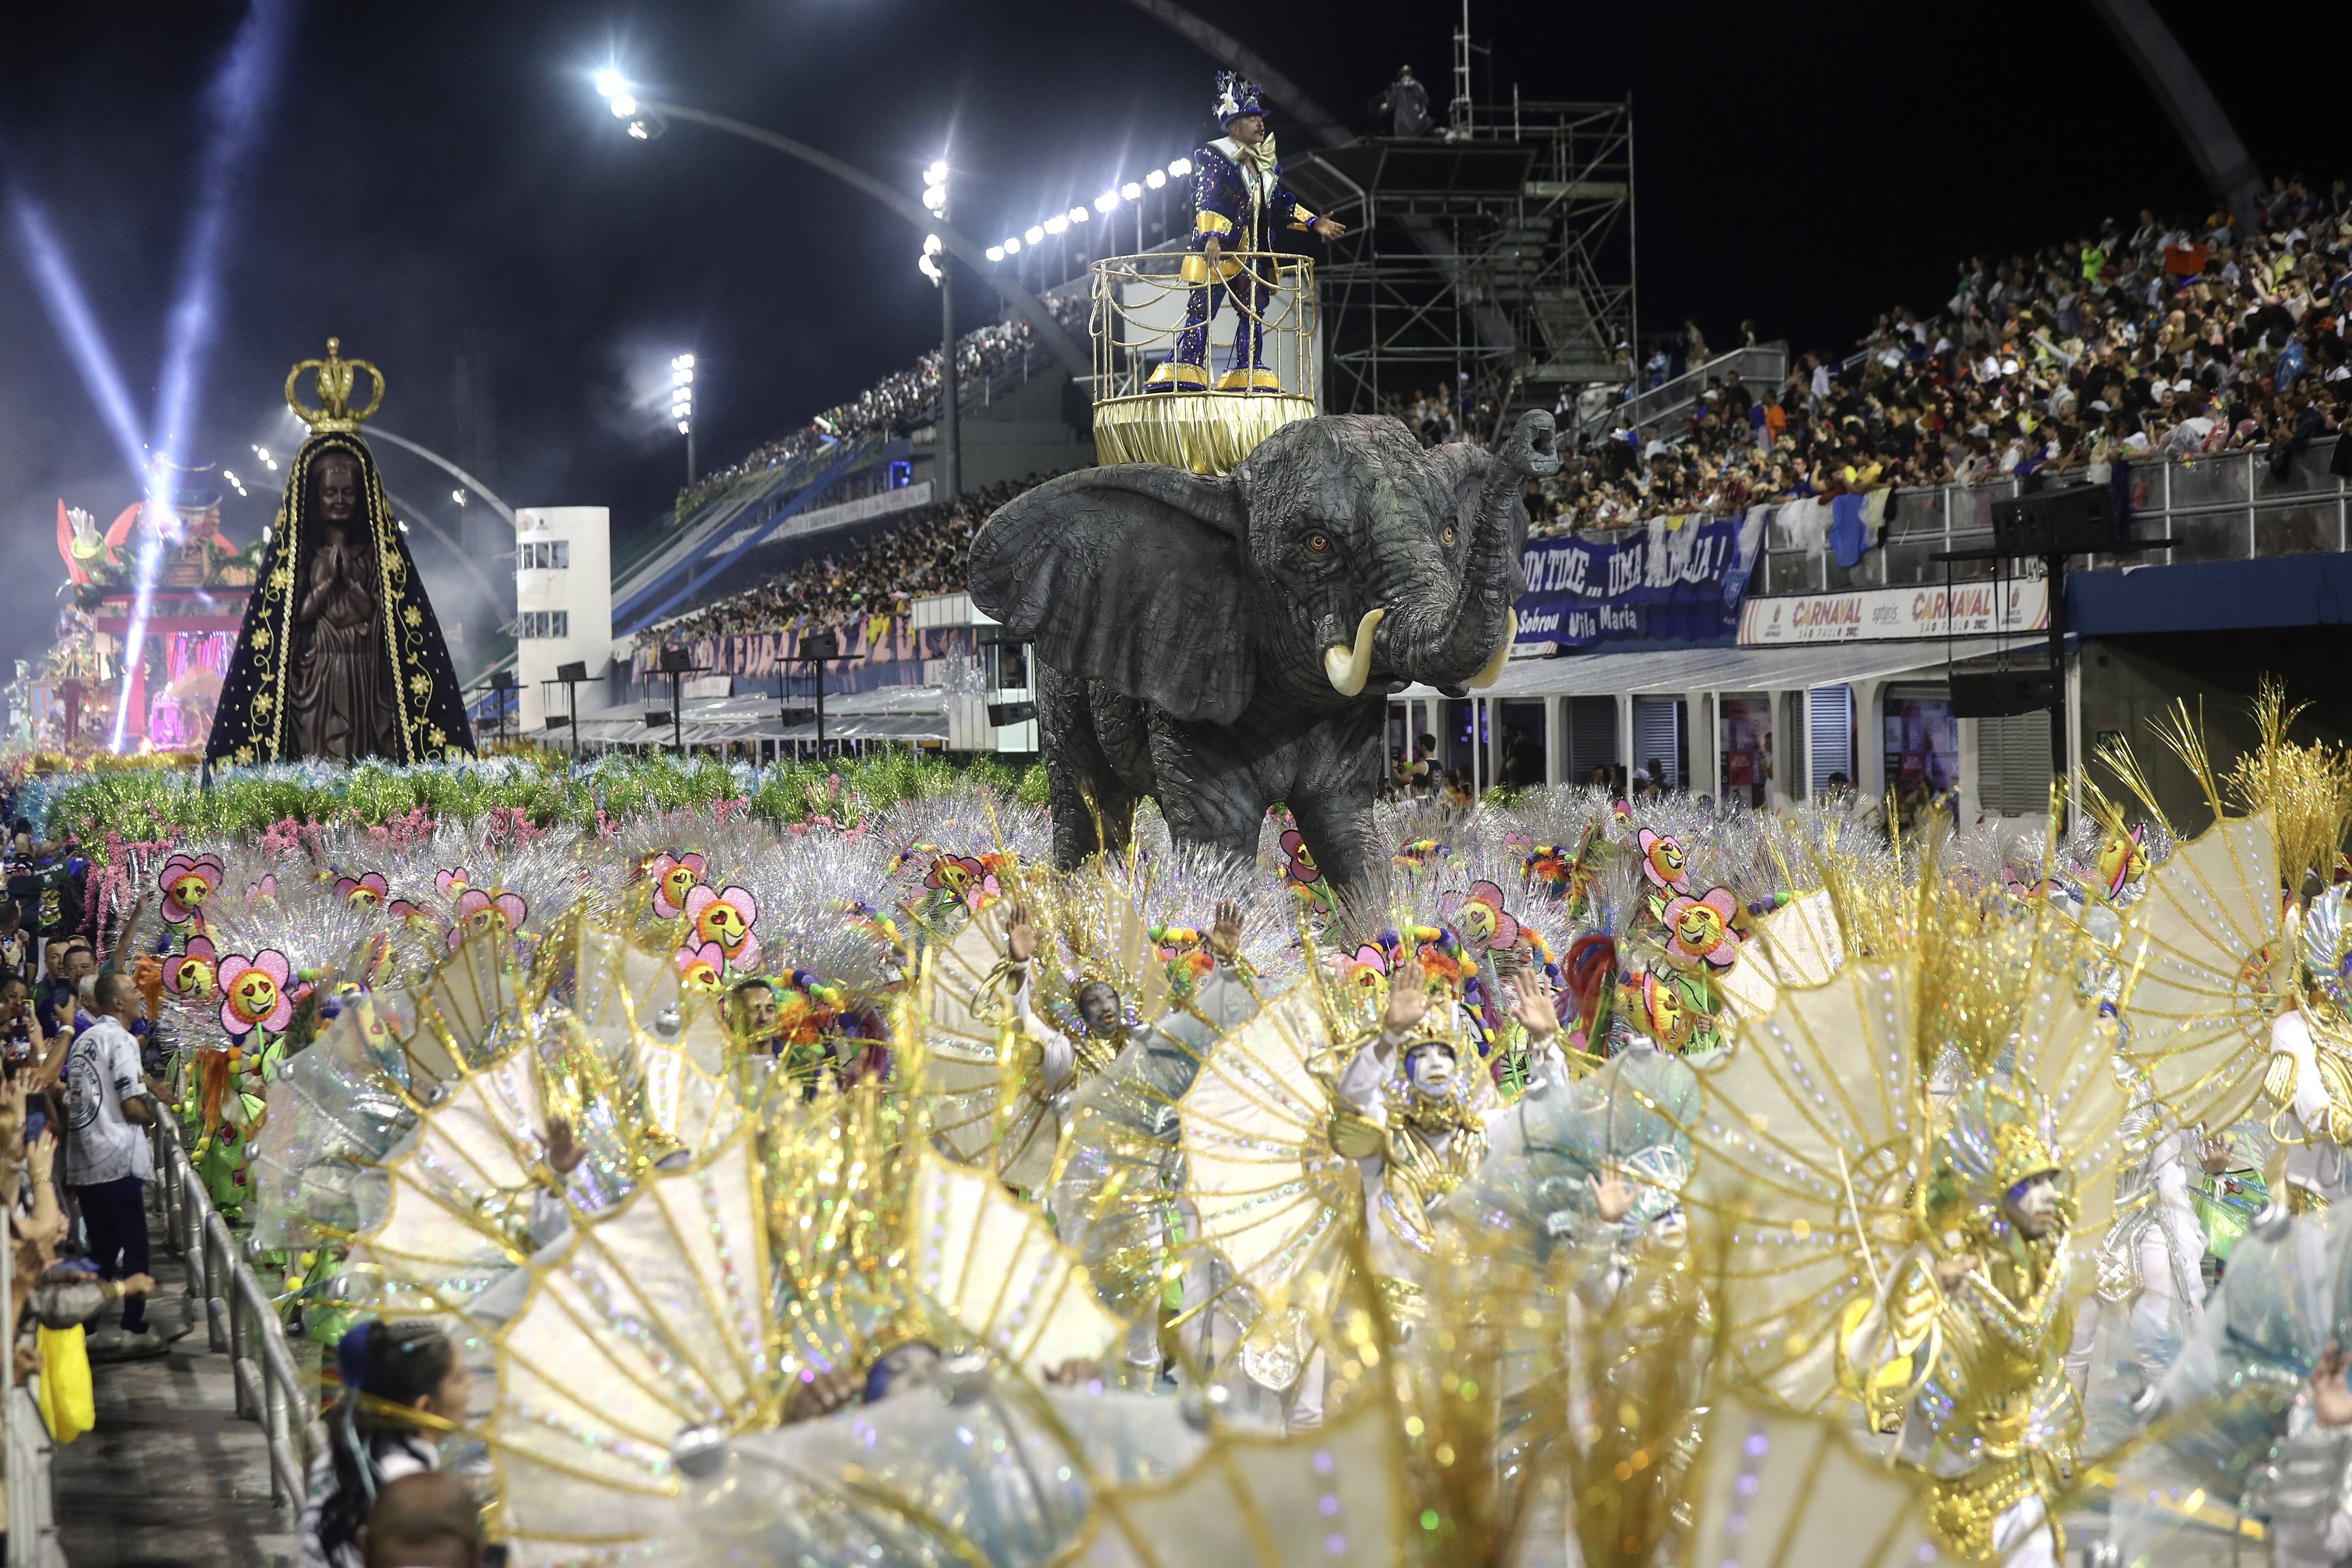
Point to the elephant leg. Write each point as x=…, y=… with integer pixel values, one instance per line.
x=1332, y=797
x=1087, y=802
x=1209, y=787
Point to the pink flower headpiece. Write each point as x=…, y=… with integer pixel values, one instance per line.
x=254, y=992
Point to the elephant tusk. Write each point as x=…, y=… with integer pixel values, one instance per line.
x=1348, y=667
x=1494, y=670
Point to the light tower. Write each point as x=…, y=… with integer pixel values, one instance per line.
x=681, y=404
x=945, y=467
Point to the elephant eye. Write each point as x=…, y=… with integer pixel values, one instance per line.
x=1447, y=536
x=1319, y=545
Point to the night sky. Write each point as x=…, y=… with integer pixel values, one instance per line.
x=436, y=178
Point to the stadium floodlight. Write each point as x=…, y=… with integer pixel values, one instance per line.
x=681, y=402
x=994, y=253
x=457, y=496
x=935, y=200
x=1079, y=215
x=1105, y=202
x=1056, y=224
x=1013, y=245
x=622, y=100
x=1156, y=178
x=1180, y=168
x=1131, y=191
x=1035, y=234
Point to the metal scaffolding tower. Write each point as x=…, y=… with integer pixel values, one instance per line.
x=1501, y=252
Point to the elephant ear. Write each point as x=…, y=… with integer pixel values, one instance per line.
x=1130, y=575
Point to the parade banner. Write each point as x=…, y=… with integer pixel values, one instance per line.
x=1652, y=582
x=1895, y=615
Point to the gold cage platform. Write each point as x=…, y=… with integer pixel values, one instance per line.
x=1137, y=323
x=1207, y=432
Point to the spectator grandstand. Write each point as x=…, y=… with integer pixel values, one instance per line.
x=898, y=401
x=924, y=554
x=2171, y=339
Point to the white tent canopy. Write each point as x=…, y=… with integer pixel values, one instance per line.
x=902, y=713
x=1679, y=670
x=1700, y=678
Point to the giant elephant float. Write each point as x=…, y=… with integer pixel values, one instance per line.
x=1222, y=643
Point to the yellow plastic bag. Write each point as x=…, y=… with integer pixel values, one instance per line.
x=66, y=1402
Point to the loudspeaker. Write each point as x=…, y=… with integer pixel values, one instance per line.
x=2003, y=694
x=821, y=645
x=2079, y=520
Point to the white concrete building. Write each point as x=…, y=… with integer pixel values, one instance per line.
x=563, y=604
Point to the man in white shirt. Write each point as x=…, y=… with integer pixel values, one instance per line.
x=108, y=1161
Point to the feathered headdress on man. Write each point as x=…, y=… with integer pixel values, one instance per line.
x=1235, y=98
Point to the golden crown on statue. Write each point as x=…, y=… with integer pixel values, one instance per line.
x=334, y=377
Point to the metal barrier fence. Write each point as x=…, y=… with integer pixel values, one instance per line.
x=1763, y=368
x=240, y=1319
x=2220, y=506
x=32, y=1523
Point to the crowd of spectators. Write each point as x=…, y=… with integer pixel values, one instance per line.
x=923, y=555
x=2167, y=338
x=2162, y=339
x=898, y=401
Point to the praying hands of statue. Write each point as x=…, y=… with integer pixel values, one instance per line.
x=2331, y=1401
x=336, y=558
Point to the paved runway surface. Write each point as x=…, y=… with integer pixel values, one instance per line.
x=170, y=1477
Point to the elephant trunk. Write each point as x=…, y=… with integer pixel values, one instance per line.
x=1458, y=638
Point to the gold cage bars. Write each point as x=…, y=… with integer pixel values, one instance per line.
x=1211, y=418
